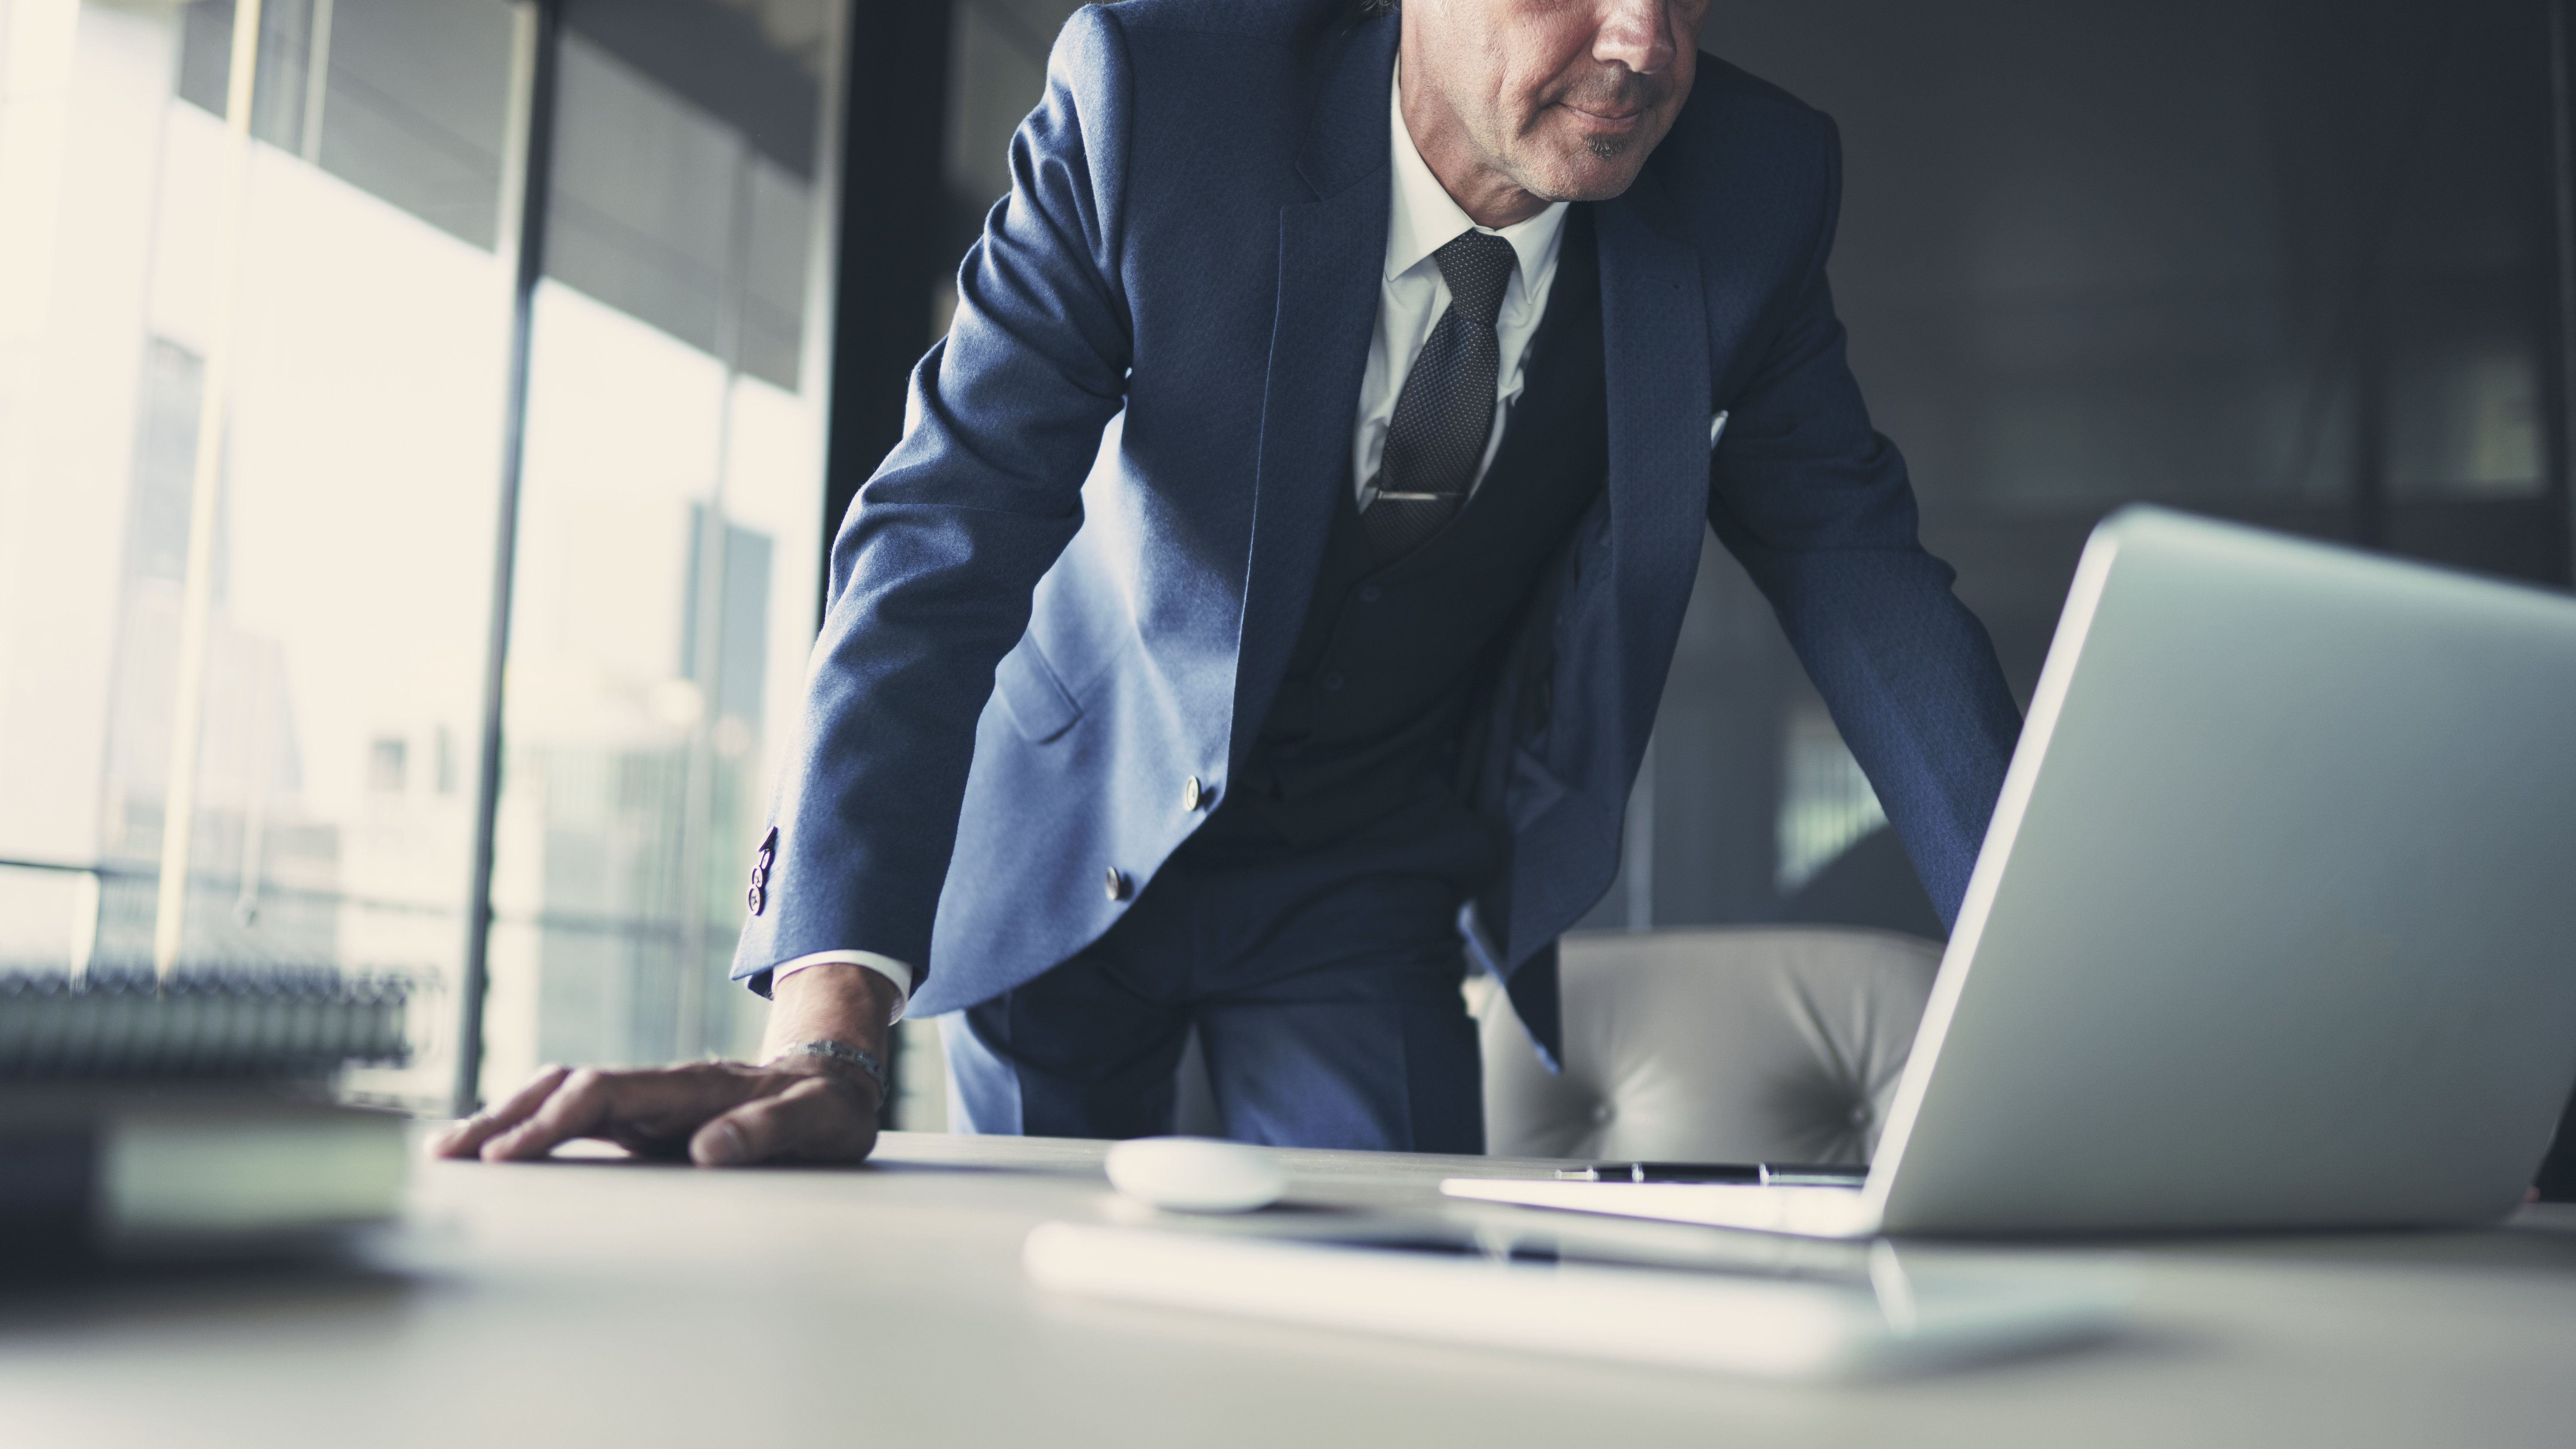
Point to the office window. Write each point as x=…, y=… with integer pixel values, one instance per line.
x=250, y=489
x=1826, y=804
x=252, y=411
x=386, y=763
x=670, y=525
x=405, y=99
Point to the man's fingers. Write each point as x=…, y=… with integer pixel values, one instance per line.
x=593, y=1103
x=466, y=1138
x=816, y=1120
x=578, y=1104
x=719, y=1111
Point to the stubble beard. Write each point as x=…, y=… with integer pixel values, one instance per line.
x=1627, y=91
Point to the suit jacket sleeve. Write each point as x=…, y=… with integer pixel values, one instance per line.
x=1818, y=508
x=934, y=567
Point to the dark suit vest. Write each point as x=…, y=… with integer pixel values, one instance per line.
x=1390, y=662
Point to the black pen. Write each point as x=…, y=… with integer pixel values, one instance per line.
x=1762, y=1174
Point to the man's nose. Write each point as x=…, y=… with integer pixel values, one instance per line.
x=1635, y=33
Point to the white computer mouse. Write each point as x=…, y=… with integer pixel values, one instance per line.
x=1197, y=1174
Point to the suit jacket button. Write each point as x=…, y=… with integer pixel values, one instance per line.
x=1194, y=794
x=757, y=899
x=1371, y=593
x=1118, y=886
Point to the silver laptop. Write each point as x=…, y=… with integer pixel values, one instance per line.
x=2274, y=927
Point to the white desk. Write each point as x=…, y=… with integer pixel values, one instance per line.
x=595, y=1303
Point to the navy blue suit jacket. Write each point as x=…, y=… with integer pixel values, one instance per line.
x=1076, y=581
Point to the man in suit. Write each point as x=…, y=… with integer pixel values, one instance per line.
x=1267, y=606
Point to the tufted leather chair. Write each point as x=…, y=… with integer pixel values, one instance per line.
x=1730, y=1044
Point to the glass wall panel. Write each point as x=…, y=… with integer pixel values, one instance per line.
x=670, y=523
x=250, y=409
x=408, y=100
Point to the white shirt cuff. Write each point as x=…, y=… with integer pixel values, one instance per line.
x=885, y=966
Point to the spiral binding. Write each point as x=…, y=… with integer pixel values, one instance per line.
x=276, y=1023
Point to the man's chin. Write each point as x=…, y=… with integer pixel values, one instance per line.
x=1591, y=170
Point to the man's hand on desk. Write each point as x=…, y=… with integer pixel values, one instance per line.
x=801, y=1108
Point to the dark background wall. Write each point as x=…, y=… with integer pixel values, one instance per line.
x=2289, y=261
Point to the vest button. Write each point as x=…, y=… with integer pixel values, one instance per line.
x=1118, y=886
x=1371, y=593
x=1194, y=794
x=1333, y=682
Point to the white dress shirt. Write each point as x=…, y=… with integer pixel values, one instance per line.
x=1412, y=295
x=885, y=966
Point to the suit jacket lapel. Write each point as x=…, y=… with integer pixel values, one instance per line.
x=1656, y=361
x=1331, y=251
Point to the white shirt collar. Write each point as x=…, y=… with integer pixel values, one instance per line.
x=1427, y=219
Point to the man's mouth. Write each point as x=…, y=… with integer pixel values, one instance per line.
x=1614, y=108
x=1616, y=119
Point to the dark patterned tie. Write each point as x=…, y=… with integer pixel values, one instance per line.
x=1445, y=415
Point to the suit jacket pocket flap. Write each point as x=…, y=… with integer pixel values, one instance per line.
x=1038, y=702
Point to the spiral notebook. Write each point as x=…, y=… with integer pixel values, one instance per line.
x=279, y=1023
x=148, y=1118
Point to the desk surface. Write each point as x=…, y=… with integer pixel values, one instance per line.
x=614, y=1303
